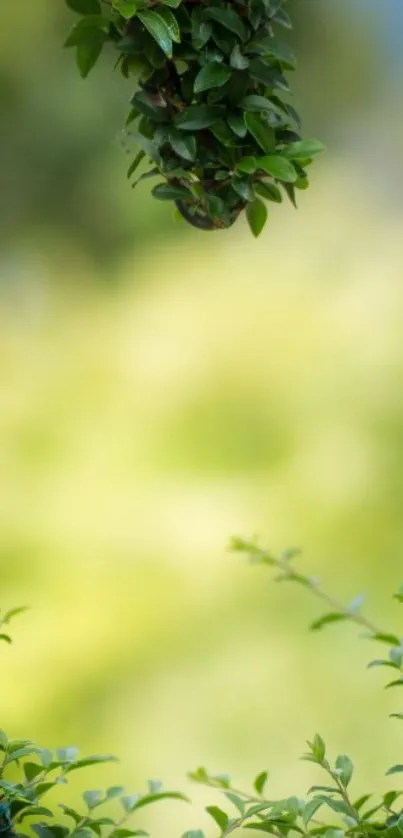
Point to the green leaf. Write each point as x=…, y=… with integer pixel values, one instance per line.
x=163, y=795
x=113, y=791
x=273, y=48
x=396, y=716
x=144, y=104
x=51, y=830
x=301, y=150
x=310, y=809
x=197, y=117
x=88, y=30
x=332, y=617
x=283, y=19
x=358, y=804
x=259, y=104
x=6, y=638
x=42, y=788
x=183, y=144
x=338, y=806
x=236, y=800
x=3, y=741
x=93, y=798
x=211, y=75
x=290, y=191
x=261, y=779
x=237, y=60
x=67, y=754
x=31, y=770
x=87, y=56
x=262, y=133
x=133, y=166
x=157, y=27
x=147, y=146
x=169, y=192
x=171, y=23
x=390, y=639
x=396, y=655
x=256, y=214
x=269, y=191
x=32, y=811
x=85, y=7
x=318, y=748
x=388, y=798
x=345, y=768
x=71, y=813
x=224, y=134
x=267, y=75
x=396, y=769
x=220, y=817
x=243, y=187
x=330, y=789
x=283, y=170
x=174, y=4
x=397, y=683
x=20, y=752
x=201, y=29
x=129, y=802
x=193, y=833
x=91, y=760
x=14, y=612
x=127, y=8
x=227, y=18
x=248, y=165
x=237, y=124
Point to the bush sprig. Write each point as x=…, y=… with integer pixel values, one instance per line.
x=210, y=114
x=330, y=810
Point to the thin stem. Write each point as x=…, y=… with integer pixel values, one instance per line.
x=283, y=563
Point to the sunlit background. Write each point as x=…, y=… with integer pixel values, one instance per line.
x=163, y=389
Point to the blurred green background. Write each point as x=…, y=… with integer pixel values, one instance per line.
x=162, y=389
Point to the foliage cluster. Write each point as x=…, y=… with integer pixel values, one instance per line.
x=211, y=113
x=28, y=772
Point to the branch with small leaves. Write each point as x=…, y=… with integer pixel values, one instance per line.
x=209, y=110
x=341, y=814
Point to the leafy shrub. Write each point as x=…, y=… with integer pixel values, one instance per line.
x=341, y=814
x=210, y=112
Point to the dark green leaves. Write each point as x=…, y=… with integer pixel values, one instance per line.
x=237, y=60
x=247, y=164
x=228, y=18
x=256, y=213
x=219, y=816
x=302, y=150
x=262, y=133
x=332, y=617
x=199, y=116
x=91, y=28
x=13, y=612
x=277, y=167
x=396, y=769
x=211, y=75
x=88, y=36
x=184, y=145
x=257, y=104
x=390, y=639
x=260, y=782
x=345, y=769
x=157, y=27
x=208, y=115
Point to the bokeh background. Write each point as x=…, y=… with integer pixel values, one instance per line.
x=162, y=389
